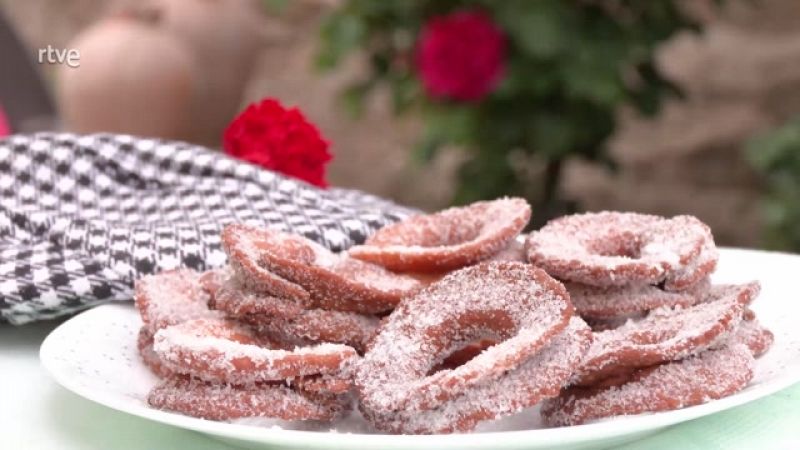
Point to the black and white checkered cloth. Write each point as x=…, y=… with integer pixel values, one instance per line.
x=81, y=217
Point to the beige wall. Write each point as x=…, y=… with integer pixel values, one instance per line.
x=742, y=76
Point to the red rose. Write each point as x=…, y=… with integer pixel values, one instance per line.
x=278, y=139
x=5, y=128
x=461, y=55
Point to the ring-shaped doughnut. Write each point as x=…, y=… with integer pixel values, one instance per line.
x=448, y=239
x=277, y=316
x=698, y=379
x=229, y=352
x=536, y=379
x=665, y=334
x=213, y=401
x=330, y=281
x=516, y=305
x=614, y=301
x=621, y=249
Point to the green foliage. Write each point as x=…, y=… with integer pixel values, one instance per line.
x=776, y=156
x=571, y=65
x=274, y=6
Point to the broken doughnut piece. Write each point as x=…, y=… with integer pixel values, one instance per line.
x=751, y=333
x=144, y=345
x=170, y=298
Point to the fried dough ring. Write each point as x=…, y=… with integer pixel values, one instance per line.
x=622, y=249
x=327, y=280
x=710, y=375
x=666, y=334
x=228, y=352
x=534, y=380
x=448, y=239
x=212, y=401
x=614, y=301
x=170, y=298
x=516, y=305
x=144, y=345
x=285, y=317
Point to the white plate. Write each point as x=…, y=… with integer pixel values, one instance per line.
x=94, y=355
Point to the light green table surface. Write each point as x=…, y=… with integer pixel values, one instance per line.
x=35, y=413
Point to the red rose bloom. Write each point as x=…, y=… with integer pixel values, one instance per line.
x=5, y=128
x=278, y=139
x=461, y=56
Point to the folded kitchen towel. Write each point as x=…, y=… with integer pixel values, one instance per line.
x=81, y=217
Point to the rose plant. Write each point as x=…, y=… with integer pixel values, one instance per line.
x=520, y=85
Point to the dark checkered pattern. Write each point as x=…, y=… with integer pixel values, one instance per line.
x=81, y=217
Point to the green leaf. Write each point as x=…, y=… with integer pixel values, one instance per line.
x=538, y=27
x=427, y=147
x=445, y=124
x=484, y=177
x=353, y=97
x=341, y=33
x=405, y=92
x=776, y=149
x=552, y=135
x=595, y=73
x=274, y=6
x=570, y=66
x=453, y=124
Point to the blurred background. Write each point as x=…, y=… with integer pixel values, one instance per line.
x=663, y=106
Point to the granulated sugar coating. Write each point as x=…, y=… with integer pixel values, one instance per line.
x=515, y=304
x=469, y=332
x=757, y=338
x=235, y=300
x=324, y=384
x=290, y=321
x=448, y=239
x=211, y=280
x=699, y=268
x=743, y=293
x=610, y=323
x=707, y=376
x=328, y=280
x=144, y=344
x=224, y=402
x=540, y=377
x=619, y=249
x=244, y=259
x=171, y=297
x=612, y=301
x=514, y=251
x=229, y=352
x=319, y=325
x=665, y=334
